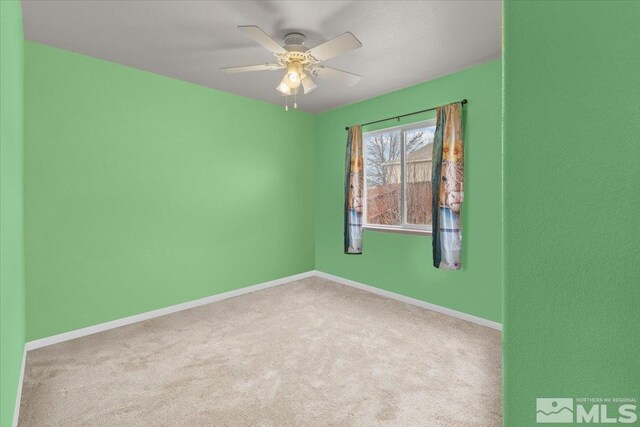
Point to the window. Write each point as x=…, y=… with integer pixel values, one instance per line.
x=397, y=168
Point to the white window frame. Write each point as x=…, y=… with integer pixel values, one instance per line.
x=404, y=227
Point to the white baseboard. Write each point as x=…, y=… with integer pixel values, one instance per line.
x=43, y=342
x=412, y=301
x=66, y=336
x=16, y=411
x=54, y=339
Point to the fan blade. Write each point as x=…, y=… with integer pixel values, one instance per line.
x=336, y=46
x=259, y=67
x=261, y=37
x=334, y=74
x=308, y=85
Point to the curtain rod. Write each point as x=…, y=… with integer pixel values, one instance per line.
x=464, y=101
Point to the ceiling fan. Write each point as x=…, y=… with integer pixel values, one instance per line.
x=301, y=62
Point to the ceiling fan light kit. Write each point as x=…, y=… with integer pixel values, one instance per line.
x=300, y=62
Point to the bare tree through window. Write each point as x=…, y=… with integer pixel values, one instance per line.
x=385, y=181
x=383, y=186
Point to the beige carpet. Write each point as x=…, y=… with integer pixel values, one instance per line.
x=312, y=353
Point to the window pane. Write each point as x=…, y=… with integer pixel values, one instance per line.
x=383, y=174
x=418, y=152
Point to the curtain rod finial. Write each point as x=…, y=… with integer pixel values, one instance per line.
x=464, y=101
x=347, y=128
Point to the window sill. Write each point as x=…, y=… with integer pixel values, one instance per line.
x=398, y=230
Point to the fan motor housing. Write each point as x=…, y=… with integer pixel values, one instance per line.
x=295, y=40
x=295, y=44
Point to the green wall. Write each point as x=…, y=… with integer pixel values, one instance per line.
x=12, y=289
x=143, y=191
x=402, y=263
x=571, y=199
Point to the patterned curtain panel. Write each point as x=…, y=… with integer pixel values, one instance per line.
x=448, y=187
x=353, y=192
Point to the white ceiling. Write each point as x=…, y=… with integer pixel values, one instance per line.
x=404, y=42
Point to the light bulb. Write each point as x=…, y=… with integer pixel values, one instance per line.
x=294, y=75
x=292, y=83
